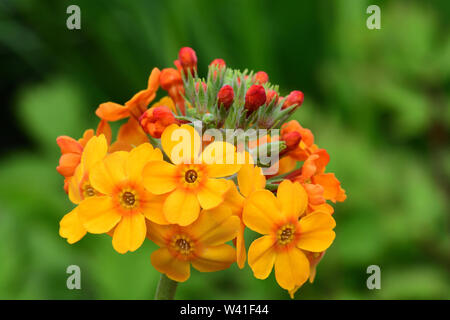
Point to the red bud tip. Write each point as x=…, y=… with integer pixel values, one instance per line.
x=197, y=86
x=294, y=98
x=225, y=96
x=255, y=97
x=271, y=94
x=220, y=63
x=156, y=119
x=261, y=77
x=292, y=140
x=188, y=59
x=169, y=77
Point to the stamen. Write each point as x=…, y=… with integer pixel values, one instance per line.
x=286, y=234
x=128, y=198
x=190, y=176
x=183, y=244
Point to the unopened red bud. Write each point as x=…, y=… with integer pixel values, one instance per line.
x=170, y=77
x=255, y=97
x=188, y=59
x=261, y=77
x=204, y=85
x=292, y=140
x=271, y=95
x=156, y=119
x=226, y=96
x=294, y=98
x=220, y=63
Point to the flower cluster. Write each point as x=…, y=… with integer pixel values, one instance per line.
x=164, y=177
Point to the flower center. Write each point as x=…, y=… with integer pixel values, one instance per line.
x=286, y=234
x=88, y=191
x=183, y=244
x=190, y=176
x=128, y=199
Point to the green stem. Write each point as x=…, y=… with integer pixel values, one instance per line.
x=166, y=288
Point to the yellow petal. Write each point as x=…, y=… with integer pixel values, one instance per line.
x=261, y=256
x=215, y=226
x=316, y=232
x=94, y=151
x=262, y=211
x=293, y=199
x=291, y=268
x=71, y=228
x=105, y=175
x=212, y=193
x=138, y=158
x=233, y=199
x=75, y=194
x=152, y=208
x=181, y=207
x=160, y=234
x=241, y=253
x=214, y=258
x=159, y=177
x=250, y=178
x=164, y=262
x=221, y=159
x=181, y=143
x=129, y=233
x=98, y=214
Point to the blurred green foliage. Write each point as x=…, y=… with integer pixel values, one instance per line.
x=378, y=100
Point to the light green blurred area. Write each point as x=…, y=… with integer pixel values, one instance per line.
x=377, y=100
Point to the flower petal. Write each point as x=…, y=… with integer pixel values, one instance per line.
x=164, y=262
x=152, y=208
x=94, y=151
x=215, y=226
x=241, y=253
x=160, y=234
x=159, y=177
x=105, y=175
x=212, y=193
x=250, y=178
x=111, y=111
x=291, y=268
x=214, y=258
x=262, y=211
x=331, y=185
x=316, y=233
x=233, y=199
x=181, y=207
x=221, y=159
x=71, y=228
x=293, y=199
x=138, y=158
x=261, y=256
x=98, y=214
x=181, y=143
x=129, y=233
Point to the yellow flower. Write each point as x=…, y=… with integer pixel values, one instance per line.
x=190, y=181
x=250, y=178
x=123, y=202
x=201, y=244
x=285, y=236
x=80, y=188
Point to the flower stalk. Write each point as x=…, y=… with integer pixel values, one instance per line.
x=166, y=288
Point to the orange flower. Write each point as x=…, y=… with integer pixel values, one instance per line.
x=123, y=203
x=285, y=235
x=190, y=181
x=137, y=105
x=72, y=149
x=250, y=178
x=79, y=188
x=201, y=244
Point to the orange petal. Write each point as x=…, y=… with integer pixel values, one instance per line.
x=152, y=208
x=111, y=111
x=130, y=135
x=241, y=253
x=261, y=256
x=94, y=151
x=160, y=234
x=105, y=175
x=331, y=185
x=159, y=177
x=233, y=199
x=215, y=258
x=69, y=145
x=181, y=207
x=293, y=199
x=250, y=178
x=98, y=214
x=138, y=158
x=129, y=233
x=262, y=211
x=164, y=262
x=291, y=268
x=104, y=128
x=316, y=232
x=212, y=193
x=71, y=228
x=68, y=163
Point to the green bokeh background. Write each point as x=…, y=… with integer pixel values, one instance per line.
x=377, y=100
